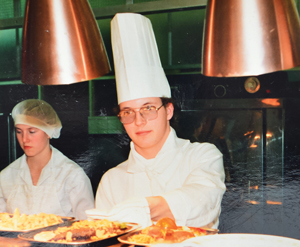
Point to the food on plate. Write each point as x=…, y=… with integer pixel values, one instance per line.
x=22, y=222
x=88, y=230
x=180, y=235
x=165, y=231
x=166, y=223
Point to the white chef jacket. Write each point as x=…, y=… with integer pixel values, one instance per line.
x=190, y=176
x=63, y=188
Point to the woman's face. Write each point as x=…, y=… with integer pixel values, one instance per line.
x=32, y=140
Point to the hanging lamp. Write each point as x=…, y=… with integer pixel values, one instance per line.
x=250, y=37
x=62, y=43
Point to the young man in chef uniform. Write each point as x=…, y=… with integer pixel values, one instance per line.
x=164, y=176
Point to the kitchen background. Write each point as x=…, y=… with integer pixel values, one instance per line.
x=258, y=133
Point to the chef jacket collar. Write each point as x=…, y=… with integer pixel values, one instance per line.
x=46, y=172
x=137, y=163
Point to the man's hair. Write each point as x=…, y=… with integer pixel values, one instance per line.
x=174, y=120
x=165, y=101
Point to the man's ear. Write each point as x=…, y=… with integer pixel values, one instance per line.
x=170, y=111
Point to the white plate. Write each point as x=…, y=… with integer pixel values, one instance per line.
x=124, y=239
x=242, y=240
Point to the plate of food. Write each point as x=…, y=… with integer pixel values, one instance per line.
x=79, y=232
x=164, y=231
x=17, y=222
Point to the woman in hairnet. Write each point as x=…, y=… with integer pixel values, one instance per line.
x=43, y=179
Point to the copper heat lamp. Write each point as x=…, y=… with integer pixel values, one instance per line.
x=62, y=43
x=250, y=37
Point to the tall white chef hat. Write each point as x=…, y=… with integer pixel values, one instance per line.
x=138, y=69
x=39, y=114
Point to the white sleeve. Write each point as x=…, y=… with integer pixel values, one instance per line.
x=198, y=201
x=80, y=194
x=2, y=200
x=104, y=195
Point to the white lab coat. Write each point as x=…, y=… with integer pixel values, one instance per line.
x=190, y=176
x=63, y=188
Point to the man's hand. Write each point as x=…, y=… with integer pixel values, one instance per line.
x=159, y=208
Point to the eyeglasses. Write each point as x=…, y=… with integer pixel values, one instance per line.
x=147, y=112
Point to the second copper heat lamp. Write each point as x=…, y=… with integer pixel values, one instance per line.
x=250, y=37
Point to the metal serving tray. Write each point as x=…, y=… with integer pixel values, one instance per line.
x=29, y=236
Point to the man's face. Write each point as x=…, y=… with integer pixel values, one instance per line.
x=148, y=136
